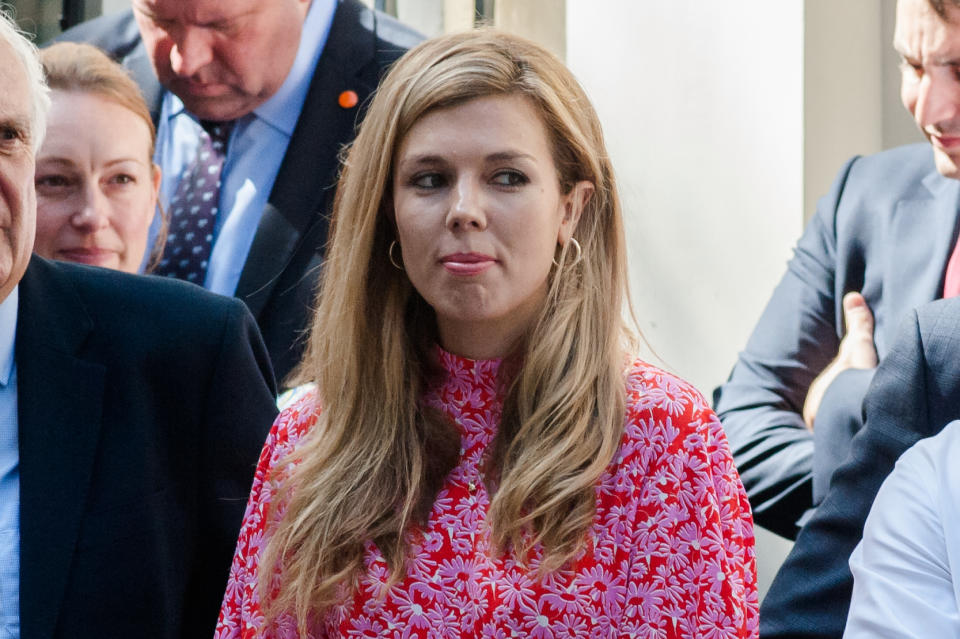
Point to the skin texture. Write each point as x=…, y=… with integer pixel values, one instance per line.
x=17, y=196
x=223, y=59
x=930, y=85
x=96, y=183
x=479, y=215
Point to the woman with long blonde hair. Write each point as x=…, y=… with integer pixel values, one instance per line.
x=477, y=453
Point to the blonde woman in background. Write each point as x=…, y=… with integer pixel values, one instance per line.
x=96, y=181
x=480, y=455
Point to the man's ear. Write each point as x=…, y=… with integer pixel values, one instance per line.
x=574, y=203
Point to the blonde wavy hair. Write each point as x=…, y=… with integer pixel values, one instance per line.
x=372, y=466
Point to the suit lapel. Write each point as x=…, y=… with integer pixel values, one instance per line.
x=59, y=412
x=309, y=168
x=918, y=259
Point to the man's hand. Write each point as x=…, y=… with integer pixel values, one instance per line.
x=856, y=351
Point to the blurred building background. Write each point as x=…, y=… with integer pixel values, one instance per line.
x=725, y=122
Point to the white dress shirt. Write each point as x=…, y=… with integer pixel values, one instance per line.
x=906, y=569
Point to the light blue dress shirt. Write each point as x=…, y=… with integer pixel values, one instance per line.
x=256, y=148
x=9, y=474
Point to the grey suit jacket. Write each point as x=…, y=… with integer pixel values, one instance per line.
x=279, y=278
x=886, y=228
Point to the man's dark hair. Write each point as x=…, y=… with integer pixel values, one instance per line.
x=940, y=7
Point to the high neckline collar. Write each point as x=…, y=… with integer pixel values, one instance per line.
x=460, y=367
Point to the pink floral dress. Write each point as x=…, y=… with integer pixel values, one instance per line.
x=670, y=554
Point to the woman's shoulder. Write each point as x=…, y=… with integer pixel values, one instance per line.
x=293, y=395
x=299, y=409
x=653, y=390
x=667, y=417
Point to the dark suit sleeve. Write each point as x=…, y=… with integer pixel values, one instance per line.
x=839, y=419
x=240, y=407
x=905, y=403
x=760, y=404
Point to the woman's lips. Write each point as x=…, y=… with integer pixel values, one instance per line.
x=467, y=263
x=92, y=256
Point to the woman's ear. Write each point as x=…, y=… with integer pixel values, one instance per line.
x=574, y=203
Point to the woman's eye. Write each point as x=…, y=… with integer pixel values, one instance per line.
x=510, y=178
x=123, y=178
x=428, y=181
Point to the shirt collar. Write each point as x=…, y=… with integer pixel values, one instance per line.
x=283, y=108
x=8, y=333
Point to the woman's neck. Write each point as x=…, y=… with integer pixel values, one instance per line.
x=478, y=340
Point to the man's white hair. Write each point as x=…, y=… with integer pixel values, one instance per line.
x=36, y=83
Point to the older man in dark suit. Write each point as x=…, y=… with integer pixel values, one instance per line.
x=132, y=412
x=255, y=100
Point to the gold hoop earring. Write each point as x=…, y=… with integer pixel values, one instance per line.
x=577, y=248
x=393, y=261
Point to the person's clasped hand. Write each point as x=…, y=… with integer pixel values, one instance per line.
x=857, y=350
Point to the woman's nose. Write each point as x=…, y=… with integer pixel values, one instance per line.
x=92, y=210
x=466, y=207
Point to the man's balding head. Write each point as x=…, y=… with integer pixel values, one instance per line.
x=223, y=59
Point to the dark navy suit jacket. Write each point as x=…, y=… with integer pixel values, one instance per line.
x=886, y=228
x=914, y=394
x=143, y=404
x=278, y=281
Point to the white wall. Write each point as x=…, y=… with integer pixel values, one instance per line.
x=112, y=6
x=843, y=88
x=702, y=108
x=541, y=20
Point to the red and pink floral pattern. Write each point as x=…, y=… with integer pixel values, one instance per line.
x=670, y=552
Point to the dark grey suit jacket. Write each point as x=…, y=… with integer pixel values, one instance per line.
x=143, y=404
x=914, y=394
x=886, y=228
x=278, y=281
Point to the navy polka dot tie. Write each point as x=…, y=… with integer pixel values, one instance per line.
x=193, y=209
